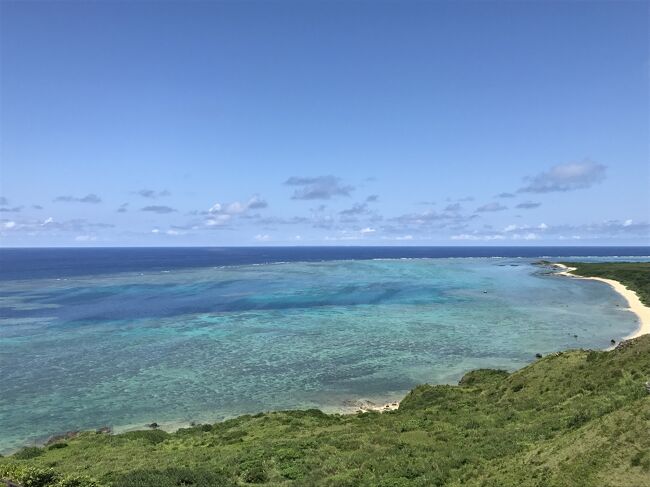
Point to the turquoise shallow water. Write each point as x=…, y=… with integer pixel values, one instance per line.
x=209, y=343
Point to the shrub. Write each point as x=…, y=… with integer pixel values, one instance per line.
x=173, y=477
x=28, y=476
x=56, y=446
x=29, y=452
x=150, y=436
x=256, y=475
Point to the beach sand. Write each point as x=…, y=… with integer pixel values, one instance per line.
x=634, y=303
x=364, y=406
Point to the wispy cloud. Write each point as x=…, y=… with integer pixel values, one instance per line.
x=429, y=220
x=372, y=198
x=491, y=207
x=318, y=188
x=220, y=214
x=256, y=203
x=528, y=205
x=472, y=236
x=604, y=231
x=14, y=209
x=566, y=177
x=89, y=198
x=505, y=195
x=50, y=225
x=453, y=208
x=160, y=209
x=85, y=238
x=3, y=201
x=356, y=209
x=123, y=208
x=152, y=194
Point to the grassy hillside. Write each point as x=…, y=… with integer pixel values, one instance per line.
x=577, y=418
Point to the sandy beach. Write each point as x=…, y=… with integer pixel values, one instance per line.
x=634, y=303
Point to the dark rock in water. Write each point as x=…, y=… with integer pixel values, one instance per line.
x=484, y=292
x=104, y=430
x=612, y=341
x=153, y=425
x=538, y=355
x=575, y=336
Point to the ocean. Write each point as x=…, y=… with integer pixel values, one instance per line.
x=128, y=336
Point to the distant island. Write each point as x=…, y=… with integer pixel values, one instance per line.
x=574, y=418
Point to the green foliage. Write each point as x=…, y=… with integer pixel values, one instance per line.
x=483, y=377
x=29, y=452
x=577, y=418
x=148, y=436
x=30, y=476
x=172, y=477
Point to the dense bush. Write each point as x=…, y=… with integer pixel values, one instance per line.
x=29, y=476
x=173, y=477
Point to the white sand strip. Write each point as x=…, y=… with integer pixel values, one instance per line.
x=634, y=303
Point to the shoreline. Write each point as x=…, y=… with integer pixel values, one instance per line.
x=347, y=408
x=361, y=405
x=634, y=304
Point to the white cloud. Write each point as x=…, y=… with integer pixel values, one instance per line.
x=262, y=238
x=155, y=230
x=627, y=223
x=367, y=230
x=10, y=224
x=217, y=220
x=220, y=214
x=566, y=177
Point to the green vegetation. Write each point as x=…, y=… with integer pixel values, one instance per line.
x=576, y=418
x=634, y=275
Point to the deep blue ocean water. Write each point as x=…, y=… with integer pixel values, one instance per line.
x=66, y=262
x=124, y=337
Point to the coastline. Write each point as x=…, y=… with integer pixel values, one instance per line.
x=351, y=407
x=634, y=304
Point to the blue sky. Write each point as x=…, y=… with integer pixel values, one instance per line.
x=349, y=123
